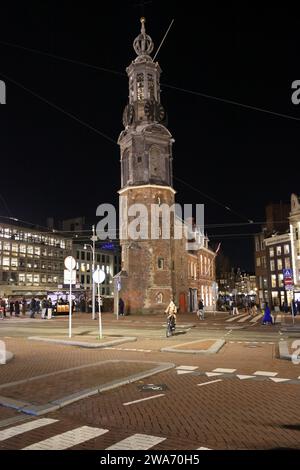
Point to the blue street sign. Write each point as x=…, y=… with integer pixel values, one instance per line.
x=287, y=273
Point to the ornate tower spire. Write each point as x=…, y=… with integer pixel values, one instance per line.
x=143, y=44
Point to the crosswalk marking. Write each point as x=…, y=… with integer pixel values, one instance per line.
x=22, y=428
x=235, y=317
x=243, y=377
x=137, y=442
x=265, y=373
x=68, y=439
x=187, y=367
x=212, y=374
x=180, y=372
x=245, y=318
x=256, y=318
x=278, y=379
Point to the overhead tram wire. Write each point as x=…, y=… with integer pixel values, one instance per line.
x=173, y=87
x=75, y=118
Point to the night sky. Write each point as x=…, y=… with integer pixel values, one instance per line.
x=52, y=165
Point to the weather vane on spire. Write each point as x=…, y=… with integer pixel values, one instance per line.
x=143, y=44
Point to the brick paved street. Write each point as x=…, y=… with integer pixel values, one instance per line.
x=243, y=397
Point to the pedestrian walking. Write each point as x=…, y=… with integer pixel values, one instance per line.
x=235, y=310
x=17, y=308
x=267, y=318
x=121, y=306
x=24, y=306
x=49, y=308
x=200, y=311
x=32, y=307
x=3, y=308
x=11, y=307
x=44, y=307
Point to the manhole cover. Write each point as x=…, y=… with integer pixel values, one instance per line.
x=152, y=387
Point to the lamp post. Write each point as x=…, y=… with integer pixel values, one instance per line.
x=94, y=238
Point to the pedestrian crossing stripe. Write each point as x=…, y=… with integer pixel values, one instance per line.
x=244, y=377
x=137, y=442
x=80, y=435
x=68, y=439
x=25, y=427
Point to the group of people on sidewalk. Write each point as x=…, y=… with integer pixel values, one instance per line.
x=11, y=307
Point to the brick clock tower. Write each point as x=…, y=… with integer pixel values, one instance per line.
x=146, y=281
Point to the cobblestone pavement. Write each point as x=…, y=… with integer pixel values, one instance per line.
x=236, y=399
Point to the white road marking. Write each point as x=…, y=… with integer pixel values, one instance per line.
x=143, y=399
x=243, y=377
x=203, y=448
x=212, y=374
x=180, y=372
x=265, y=373
x=235, y=317
x=255, y=319
x=137, y=442
x=210, y=382
x=224, y=371
x=21, y=428
x=68, y=439
x=277, y=379
x=187, y=367
x=244, y=319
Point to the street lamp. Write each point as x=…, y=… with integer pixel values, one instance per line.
x=94, y=238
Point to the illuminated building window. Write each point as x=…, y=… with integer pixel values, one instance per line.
x=272, y=265
x=271, y=252
x=28, y=279
x=37, y=251
x=140, y=86
x=21, y=277
x=286, y=249
x=150, y=86
x=23, y=249
x=278, y=250
x=279, y=264
x=280, y=280
x=6, y=246
x=5, y=261
x=82, y=268
x=274, y=280
x=36, y=278
x=287, y=263
x=14, y=262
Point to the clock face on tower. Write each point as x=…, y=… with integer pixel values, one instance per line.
x=160, y=113
x=149, y=109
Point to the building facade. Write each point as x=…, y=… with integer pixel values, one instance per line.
x=107, y=260
x=154, y=269
x=31, y=259
x=278, y=252
x=295, y=242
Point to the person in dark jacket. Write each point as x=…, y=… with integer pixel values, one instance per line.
x=11, y=307
x=17, y=308
x=121, y=306
x=32, y=307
